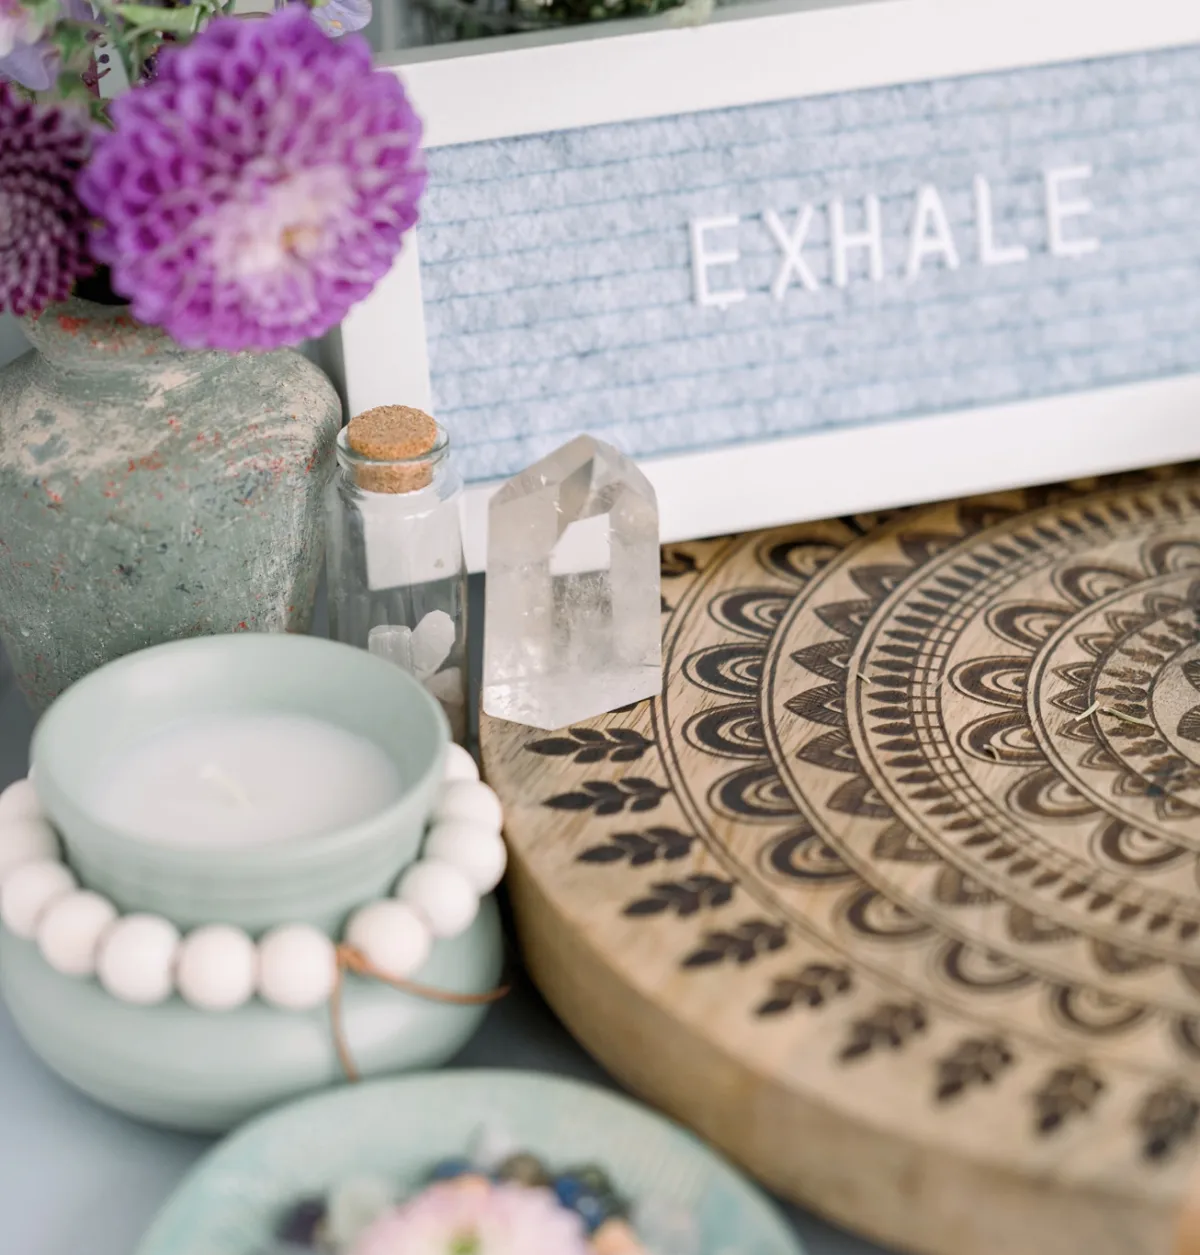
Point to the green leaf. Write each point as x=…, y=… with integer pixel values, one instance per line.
x=146, y=17
x=45, y=11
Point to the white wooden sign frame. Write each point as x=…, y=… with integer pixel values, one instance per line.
x=528, y=85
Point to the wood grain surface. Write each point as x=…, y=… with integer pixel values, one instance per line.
x=893, y=893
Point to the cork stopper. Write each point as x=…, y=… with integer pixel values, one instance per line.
x=395, y=434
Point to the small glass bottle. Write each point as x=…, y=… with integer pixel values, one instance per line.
x=394, y=553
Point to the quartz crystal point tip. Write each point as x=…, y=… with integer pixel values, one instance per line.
x=573, y=602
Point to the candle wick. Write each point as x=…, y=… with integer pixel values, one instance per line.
x=210, y=773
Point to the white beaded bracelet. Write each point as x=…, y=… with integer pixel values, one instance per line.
x=143, y=959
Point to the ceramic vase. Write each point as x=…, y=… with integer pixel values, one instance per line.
x=149, y=493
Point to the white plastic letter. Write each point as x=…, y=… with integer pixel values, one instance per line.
x=930, y=213
x=790, y=246
x=703, y=259
x=841, y=243
x=1059, y=210
x=991, y=253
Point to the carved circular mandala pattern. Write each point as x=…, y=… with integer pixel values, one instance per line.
x=908, y=846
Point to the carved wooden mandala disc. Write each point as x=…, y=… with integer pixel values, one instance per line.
x=893, y=894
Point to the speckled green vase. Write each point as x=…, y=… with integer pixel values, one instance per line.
x=149, y=493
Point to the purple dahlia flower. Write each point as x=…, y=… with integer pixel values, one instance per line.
x=43, y=227
x=258, y=187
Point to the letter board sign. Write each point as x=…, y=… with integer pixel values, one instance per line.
x=802, y=263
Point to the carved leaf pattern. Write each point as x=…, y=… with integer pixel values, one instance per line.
x=593, y=745
x=890, y=1026
x=742, y=944
x=610, y=797
x=812, y=986
x=683, y=897
x=1167, y=1119
x=641, y=848
x=974, y=1061
x=1067, y=1092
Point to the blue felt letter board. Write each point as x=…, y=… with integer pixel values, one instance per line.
x=686, y=282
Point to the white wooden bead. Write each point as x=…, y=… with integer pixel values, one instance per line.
x=392, y=937
x=460, y=765
x=70, y=931
x=217, y=968
x=20, y=801
x=25, y=841
x=441, y=895
x=29, y=891
x=478, y=852
x=136, y=962
x=471, y=800
x=297, y=967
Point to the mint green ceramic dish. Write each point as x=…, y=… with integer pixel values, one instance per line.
x=317, y=879
x=399, y=1128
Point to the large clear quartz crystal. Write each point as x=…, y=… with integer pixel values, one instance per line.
x=573, y=603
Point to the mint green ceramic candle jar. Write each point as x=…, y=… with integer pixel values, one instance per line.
x=254, y=885
x=202, y=782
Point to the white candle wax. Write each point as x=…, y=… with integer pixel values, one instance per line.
x=229, y=780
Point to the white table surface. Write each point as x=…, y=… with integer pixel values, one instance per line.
x=77, y=1179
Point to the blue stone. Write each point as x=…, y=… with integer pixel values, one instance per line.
x=448, y=1169
x=594, y=1177
x=300, y=1224
x=591, y=1205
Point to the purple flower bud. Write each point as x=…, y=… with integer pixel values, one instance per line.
x=338, y=17
x=342, y=17
x=24, y=56
x=32, y=65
